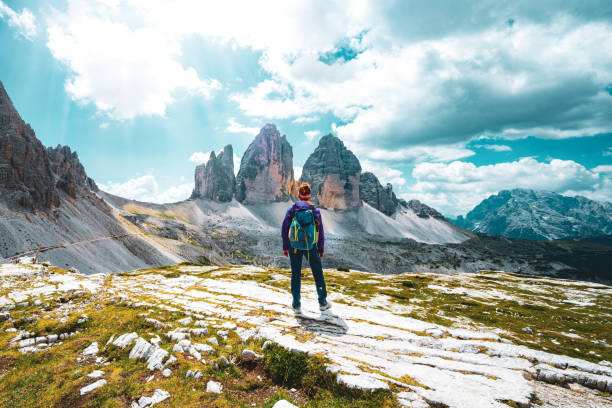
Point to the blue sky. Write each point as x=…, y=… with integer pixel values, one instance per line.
x=450, y=101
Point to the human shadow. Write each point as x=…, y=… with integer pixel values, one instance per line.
x=326, y=323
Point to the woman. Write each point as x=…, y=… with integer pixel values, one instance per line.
x=298, y=248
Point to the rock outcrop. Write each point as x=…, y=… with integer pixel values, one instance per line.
x=26, y=179
x=379, y=197
x=539, y=215
x=422, y=210
x=215, y=180
x=334, y=175
x=266, y=169
x=69, y=173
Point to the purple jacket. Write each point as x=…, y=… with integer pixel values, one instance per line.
x=302, y=205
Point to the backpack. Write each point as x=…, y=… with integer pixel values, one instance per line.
x=303, y=233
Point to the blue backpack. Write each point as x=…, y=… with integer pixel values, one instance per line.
x=303, y=233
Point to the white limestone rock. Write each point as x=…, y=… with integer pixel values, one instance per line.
x=158, y=396
x=185, y=321
x=284, y=404
x=202, y=348
x=91, y=350
x=214, y=387
x=213, y=341
x=89, y=388
x=249, y=355
x=96, y=374
x=193, y=374
x=125, y=340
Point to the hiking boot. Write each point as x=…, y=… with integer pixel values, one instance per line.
x=297, y=310
x=325, y=307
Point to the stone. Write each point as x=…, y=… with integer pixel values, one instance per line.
x=52, y=338
x=214, y=387
x=158, y=396
x=142, y=349
x=266, y=169
x=4, y=316
x=215, y=180
x=223, y=361
x=334, y=175
x=284, y=404
x=125, y=340
x=186, y=321
x=155, y=323
x=156, y=358
x=166, y=372
x=177, y=335
x=182, y=346
x=91, y=350
x=193, y=374
x=528, y=330
x=170, y=361
x=213, y=341
x=202, y=348
x=199, y=331
x=377, y=196
x=89, y=388
x=249, y=355
x=96, y=374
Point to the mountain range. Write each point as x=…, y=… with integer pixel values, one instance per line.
x=539, y=215
x=49, y=204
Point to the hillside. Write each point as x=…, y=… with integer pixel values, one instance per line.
x=178, y=336
x=539, y=215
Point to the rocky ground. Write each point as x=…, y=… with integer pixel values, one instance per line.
x=190, y=335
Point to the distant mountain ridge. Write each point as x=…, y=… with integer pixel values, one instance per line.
x=539, y=215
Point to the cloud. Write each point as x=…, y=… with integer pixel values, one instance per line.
x=124, y=70
x=234, y=127
x=455, y=188
x=608, y=152
x=311, y=134
x=494, y=147
x=146, y=189
x=606, y=168
x=305, y=119
x=199, y=157
x=544, y=77
x=24, y=22
x=297, y=172
x=384, y=173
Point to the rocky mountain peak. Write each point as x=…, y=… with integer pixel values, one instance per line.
x=539, y=215
x=26, y=179
x=377, y=196
x=334, y=173
x=266, y=169
x=69, y=172
x=32, y=177
x=215, y=180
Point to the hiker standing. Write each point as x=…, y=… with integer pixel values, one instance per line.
x=303, y=236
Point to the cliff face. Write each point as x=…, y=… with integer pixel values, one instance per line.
x=379, y=197
x=266, y=169
x=32, y=177
x=334, y=175
x=26, y=179
x=215, y=180
x=69, y=172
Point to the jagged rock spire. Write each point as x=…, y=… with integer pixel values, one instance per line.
x=215, y=180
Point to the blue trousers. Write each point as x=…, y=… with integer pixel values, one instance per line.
x=296, y=274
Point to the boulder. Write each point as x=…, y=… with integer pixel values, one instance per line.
x=334, y=175
x=266, y=169
x=215, y=180
x=379, y=197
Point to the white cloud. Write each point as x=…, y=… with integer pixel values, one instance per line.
x=608, y=152
x=147, y=189
x=414, y=154
x=605, y=168
x=199, y=157
x=24, y=22
x=455, y=188
x=305, y=119
x=384, y=173
x=494, y=147
x=311, y=134
x=124, y=70
x=450, y=89
x=297, y=172
x=234, y=127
